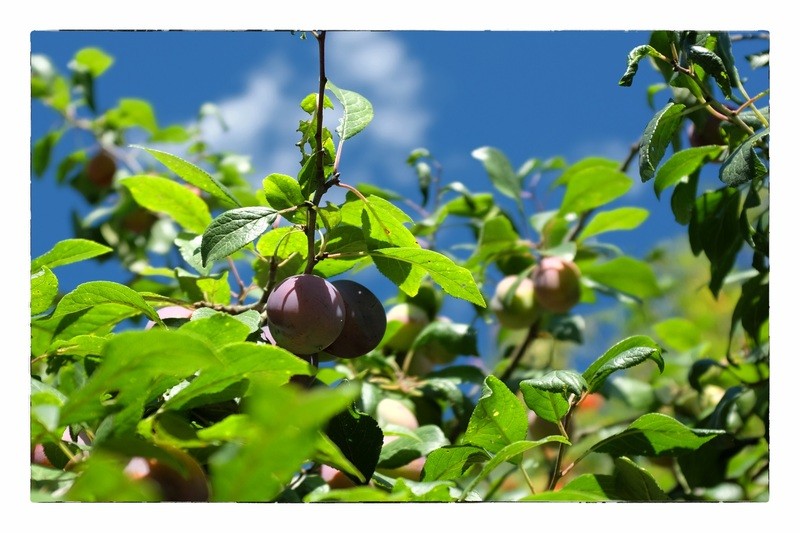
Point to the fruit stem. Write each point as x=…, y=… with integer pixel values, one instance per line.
x=311, y=225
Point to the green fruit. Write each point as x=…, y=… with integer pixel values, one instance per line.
x=556, y=284
x=412, y=320
x=518, y=311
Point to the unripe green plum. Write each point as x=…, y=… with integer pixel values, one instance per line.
x=305, y=314
x=189, y=484
x=556, y=284
x=521, y=311
x=434, y=351
x=412, y=319
x=364, y=321
x=392, y=411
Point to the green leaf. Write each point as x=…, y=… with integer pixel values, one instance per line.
x=131, y=113
x=94, y=293
x=94, y=60
x=635, y=484
x=593, y=187
x=682, y=164
x=510, y=453
x=454, y=338
x=624, y=274
x=171, y=134
x=550, y=406
x=42, y=151
x=452, y=462
x=69, y=251
x=134, y=365
x=656, y=137
x=679, y=333
x=410, y=445
x=634, y=56
x=455, y=280
x=500, y=171
x=44, y=289
x=498, y=419
x=625, y=354
x=241, y=361
x=194, y=175
x=357, y=112
x=282, y=191
x=583, y=164
x=744, y=164
x=624, y=218
x=280, y=436
x=713, y=65
x=655, y=435
x=683, y=198
x=359, y=438
x=163, y=195
x=233, y=230
x=564, y=495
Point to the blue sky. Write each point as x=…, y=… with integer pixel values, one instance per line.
x=528, y=93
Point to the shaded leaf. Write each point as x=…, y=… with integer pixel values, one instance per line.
x=744, y=163
x=359, y=438
x=656, y=137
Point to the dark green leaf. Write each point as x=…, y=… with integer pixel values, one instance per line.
x=359, y=438
x=564, y=382
x=657, y=136
x=744, y=163
x=625, y=354
x=654, y=435
x=233, y=230
x=713, y=65
x=634, y=56
x=683, y=197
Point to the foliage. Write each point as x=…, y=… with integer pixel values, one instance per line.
x=672, y=410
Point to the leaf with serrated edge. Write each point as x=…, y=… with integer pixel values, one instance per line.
x=69, y=251
x=357, y=112
x=625, y=354
x=233, y=230
x=44, y=289
x=94, y=293
x=455, y=280
x=654, y=435
x=194, y=175
x=498, y=418
x=657, y=136
x=744, y=164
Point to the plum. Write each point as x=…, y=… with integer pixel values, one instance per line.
x=364, y=321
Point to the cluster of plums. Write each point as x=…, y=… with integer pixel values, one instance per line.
x=307, y=314
x=553, y=286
